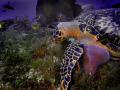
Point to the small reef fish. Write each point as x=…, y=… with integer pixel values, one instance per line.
x=0, y=26
x=3, y=24
x=102, y=40
x=59, y=17
x=8, y=6
x=35, y=26
x=39, y=18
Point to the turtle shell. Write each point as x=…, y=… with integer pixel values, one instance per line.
x=105, y=24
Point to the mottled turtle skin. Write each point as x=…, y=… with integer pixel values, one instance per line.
x=97, y=36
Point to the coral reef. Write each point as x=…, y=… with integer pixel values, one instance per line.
x=24, y=50
x=49, y=10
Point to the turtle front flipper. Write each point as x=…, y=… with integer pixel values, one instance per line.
x=72, y=54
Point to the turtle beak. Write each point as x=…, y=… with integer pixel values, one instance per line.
x=54, y=38
x=57, y=40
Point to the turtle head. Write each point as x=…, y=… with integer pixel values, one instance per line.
x=59, y=37
x=64, y=31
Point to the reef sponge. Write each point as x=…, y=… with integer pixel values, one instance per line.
x=39, y=52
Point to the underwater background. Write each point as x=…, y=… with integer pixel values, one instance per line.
x=27, y=7
x=28, y=61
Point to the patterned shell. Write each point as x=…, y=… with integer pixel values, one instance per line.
x=105, y=24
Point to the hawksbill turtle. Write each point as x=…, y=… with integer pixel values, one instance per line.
x=97, y=35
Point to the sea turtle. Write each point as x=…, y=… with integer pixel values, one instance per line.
x=97, y=35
